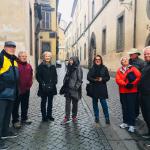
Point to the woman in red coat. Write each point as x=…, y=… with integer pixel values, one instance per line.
x=127, y=78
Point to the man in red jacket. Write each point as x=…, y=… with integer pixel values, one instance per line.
x=25, y=83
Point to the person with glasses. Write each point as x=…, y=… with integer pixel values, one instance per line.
x=98, y=75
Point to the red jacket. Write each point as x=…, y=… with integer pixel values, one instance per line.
x=122, y=81
x=25, y=77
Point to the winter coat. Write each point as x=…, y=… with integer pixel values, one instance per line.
x=99, y=87
x=46, y=75
x=25, y=76
x=122, y=81
x=138, y=63
x=73, y=80
x=144, y=85
x=8, y=76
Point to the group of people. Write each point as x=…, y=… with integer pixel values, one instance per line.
x=16, y=78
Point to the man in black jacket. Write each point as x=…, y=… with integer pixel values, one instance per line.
x=139, y=64
x=8, y=89
x=145, y=90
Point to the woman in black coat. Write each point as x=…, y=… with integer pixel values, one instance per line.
x=47, y=79
x=98, y=75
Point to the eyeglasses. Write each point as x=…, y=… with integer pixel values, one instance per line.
x=97, y=59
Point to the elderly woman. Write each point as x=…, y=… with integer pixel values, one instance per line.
x=98, y=75
x=47, y=78
x=127, y=78
x=72, y=85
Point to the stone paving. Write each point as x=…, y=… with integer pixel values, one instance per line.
x=83, y=135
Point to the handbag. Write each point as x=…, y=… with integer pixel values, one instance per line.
x=62, y=90
x=47, y=87
x=89, y=89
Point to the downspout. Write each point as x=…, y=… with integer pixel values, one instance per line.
x=134, y=27
x=88, y=33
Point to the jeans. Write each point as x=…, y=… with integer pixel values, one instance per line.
x=104, y=107
x=6, y=107
x=68, y=107
x=46, y=113
x=24, y=100
x=128, y=102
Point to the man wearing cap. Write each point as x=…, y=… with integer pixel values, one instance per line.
x=145, y=90
x=8, y=88
x=139, y=64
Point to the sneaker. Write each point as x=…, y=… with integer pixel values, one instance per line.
x=51, y=118
x=124, y=125
x=17, y=125
x=27, y=122
x=96, y=120
x=2, y=145
x=10, y=135
x=65, y=121
x=146, y=136
x=107, y=121
x=74, y=119
x=131, y=129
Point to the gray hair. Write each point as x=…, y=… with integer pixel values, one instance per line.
x=46, y=52
x=146, y=49
x=21, y=52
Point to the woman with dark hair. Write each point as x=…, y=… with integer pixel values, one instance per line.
x=98, y=75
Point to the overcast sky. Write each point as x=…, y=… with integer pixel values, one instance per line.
x=65, y=7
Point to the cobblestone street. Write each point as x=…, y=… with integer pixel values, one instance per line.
x=83, y=135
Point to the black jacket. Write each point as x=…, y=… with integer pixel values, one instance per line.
x=144, y=85
x=99, y=87
x=46, y=74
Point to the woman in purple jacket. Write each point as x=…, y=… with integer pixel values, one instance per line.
x=25, y=83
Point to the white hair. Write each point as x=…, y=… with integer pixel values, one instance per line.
x=21, y=52
x=46, y=52
x=146, y=49
x=123, y=58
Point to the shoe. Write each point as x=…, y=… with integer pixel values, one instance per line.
x=17, y=125
x=146, y=136
x=3, y=146
x=107, y=121
x=50, y=118
x=27, y=122
x=44, y=120
x=96, y=120
x=124, y=125
x=10, y=135
x=65, y=121
x=131, y=129
x=74, y=119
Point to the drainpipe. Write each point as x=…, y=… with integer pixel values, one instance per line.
x=134, y=28
x=88, y=32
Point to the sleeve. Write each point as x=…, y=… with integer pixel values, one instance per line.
x=138, y=76
x=119, y=81
x=56, y=76
x=79, y=78
x=1, y=60
x=38, y=75
x=107, y=76
x=89, y=76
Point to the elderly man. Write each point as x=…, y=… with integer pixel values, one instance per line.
x=25, y=83
x=145, y=90
x=139, y=64
x=8, y=88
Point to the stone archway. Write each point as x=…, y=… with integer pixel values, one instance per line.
x=92, y=49
x=148, y=41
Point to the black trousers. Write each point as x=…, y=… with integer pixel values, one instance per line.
x=46, y=113
x=68, y=107
x=6, y=107
x=145, y=108
x=137, y=105
x=128, y=101
x=24, y=100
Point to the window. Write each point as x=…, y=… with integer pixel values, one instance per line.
x=80, y=54
x=46, y=47
x=84, y=21
x=104, y=41
x=80, y=28
x=85, y=51
x=31, y=41
x=93, y=9
x=120, y=33
x=45, y=24
x=148, y=8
